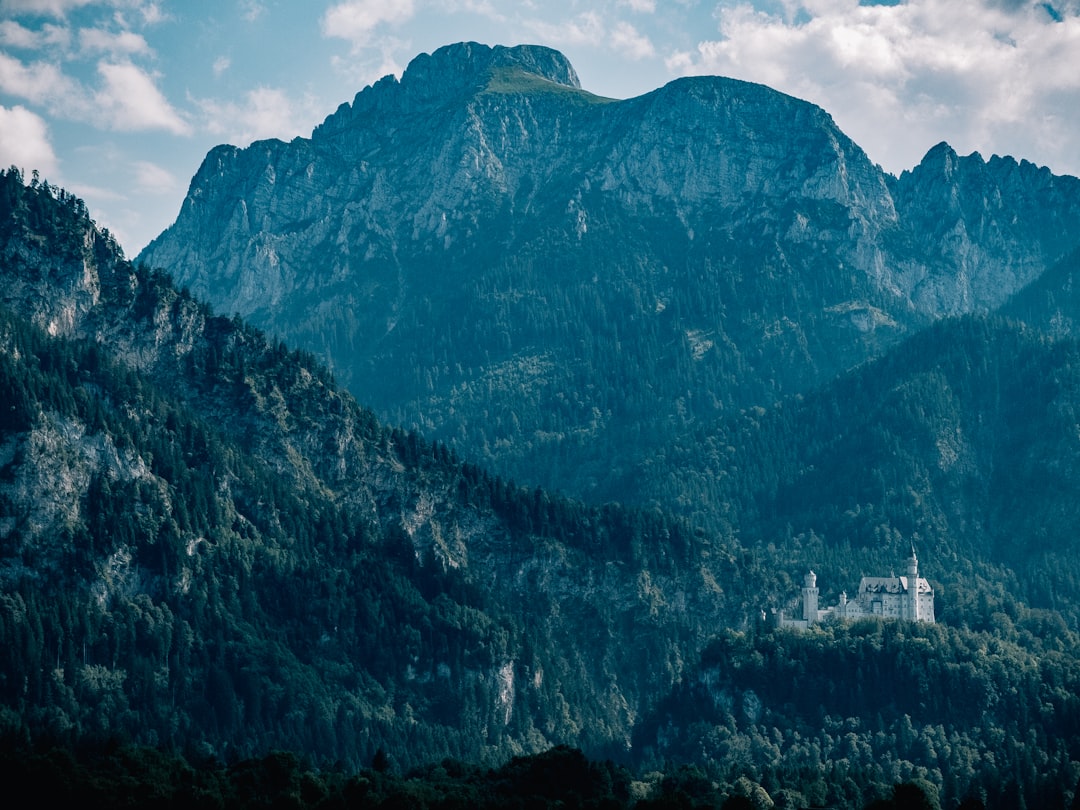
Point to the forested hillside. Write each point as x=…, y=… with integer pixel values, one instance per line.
x=842, y=714
x=963, y=440
x=207, y=545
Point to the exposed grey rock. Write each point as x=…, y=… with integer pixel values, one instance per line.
x=444, y=235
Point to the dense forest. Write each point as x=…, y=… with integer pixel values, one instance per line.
x=843, y=713
x=962, y=440
x=113, y=774
x=211, y=555
x=166, y=606
x=217, y=547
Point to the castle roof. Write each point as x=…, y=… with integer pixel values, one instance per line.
x=892, y=585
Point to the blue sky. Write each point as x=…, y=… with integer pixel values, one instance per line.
x=119, y=100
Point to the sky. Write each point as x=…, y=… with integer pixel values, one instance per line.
x=118, y=101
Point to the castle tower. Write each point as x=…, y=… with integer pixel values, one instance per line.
x=810, y=598
x=913, y=586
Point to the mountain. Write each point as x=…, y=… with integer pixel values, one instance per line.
x=208, y=546
x=561, y=286
x=982, y=230
x=205, y=544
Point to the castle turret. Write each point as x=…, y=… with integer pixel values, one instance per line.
x=810, y=598
x=913, y=586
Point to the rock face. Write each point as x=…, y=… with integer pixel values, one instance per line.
x=981, y=231
x=532, y=273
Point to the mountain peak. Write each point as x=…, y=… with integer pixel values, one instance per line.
x=449, y=73
x=467, y=65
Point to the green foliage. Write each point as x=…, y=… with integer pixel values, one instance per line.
x=116, y=774
x=872, y=704
x=961, y=441
x=516, y=80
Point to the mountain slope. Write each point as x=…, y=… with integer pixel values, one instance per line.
x=986, y=228
x=205, y=544
x=962, y=440
x=558, y=285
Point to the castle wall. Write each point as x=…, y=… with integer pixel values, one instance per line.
x=884, y=597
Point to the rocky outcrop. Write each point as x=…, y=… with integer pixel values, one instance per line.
x=979, y=231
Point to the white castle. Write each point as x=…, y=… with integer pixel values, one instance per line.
x=909, y=598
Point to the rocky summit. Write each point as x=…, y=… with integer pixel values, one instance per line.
x=487, y=252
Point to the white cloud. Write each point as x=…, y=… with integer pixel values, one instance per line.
x=585, y=29
x=94, y=194
x=221, y=64
x=596, y=29
x=251, y=10
x=55, y=8
x=153, y=179
x=357, y=20
x=14, y=35
x=152, y=14
x=265, y=112
x=484, y=8
x=367, y=66
x=24, y=142
x=38, y=82
x=899, y=78
x=98, y=40
x=129, y=101
x=640, y=6
x=148, y=10
x=630, y=43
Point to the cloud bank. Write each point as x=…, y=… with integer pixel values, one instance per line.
x=900, y=77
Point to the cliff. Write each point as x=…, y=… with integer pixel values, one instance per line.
x=490, y=254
